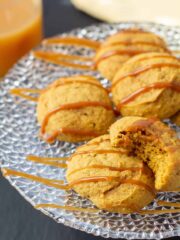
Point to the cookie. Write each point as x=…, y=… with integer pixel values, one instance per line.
x=121, y=46
x=109, y=177
x=148, y=85
x=74, y=109
x=153, y=142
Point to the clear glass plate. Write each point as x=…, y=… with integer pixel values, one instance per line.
x=19, y=137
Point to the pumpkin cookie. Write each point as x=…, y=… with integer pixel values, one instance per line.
x=153, y=142
x=148, y=85
x=118, y=48
x=74, y=109
x=109, y=177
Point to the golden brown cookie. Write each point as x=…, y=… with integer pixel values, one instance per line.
x=110, y=178
x=148, y=85
x=153, y=142
x=118, y=48
x=74, y=109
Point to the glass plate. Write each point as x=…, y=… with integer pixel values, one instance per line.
x=19, y=137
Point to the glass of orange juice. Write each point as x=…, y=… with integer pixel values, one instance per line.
x=20, y=30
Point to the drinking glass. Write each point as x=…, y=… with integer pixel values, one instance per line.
x=20, y=30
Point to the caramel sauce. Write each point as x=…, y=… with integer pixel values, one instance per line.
x=145, y=69
x=20, y=92
x=51, y=159
x=133, y=182
x=65, y=81
x=58, y=183
x=78, y=132
x=48, y=161
x=168, y=204
x=112, y=178
x=137, y=93
x=99, y=151
x=137, y=31
x=98, y=142
x=158, y=56
x=129, y=43
x=111, y=53
x=68, y=208
x=57, y=56
x=133, y=30
x=48, y=182
x=132, y=207
x=63, y=59
x=141, y=124
x=164, y=211
x=72, y=81
x=73, y=41
x=133, y=169
x=71, y=106
x=94, y=143
x=91, y=210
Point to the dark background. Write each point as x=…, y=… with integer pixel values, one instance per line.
x=18, y=219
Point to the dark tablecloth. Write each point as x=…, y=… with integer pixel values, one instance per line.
x=18, y=219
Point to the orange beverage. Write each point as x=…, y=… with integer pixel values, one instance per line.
x=20, y=30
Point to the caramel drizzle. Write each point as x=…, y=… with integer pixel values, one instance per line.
x=99, y=151
x=129, y=43
x=134, y=30
x=168, y=204
x=91, y=210
x=107, y=55
x=94, y=143
x=128, y=52
x=133, y=169
x=141, y=124
x=20, y=92
x=58, y=59
x=48, y=182
x=73, y=41
x=144, y=69
x=62, y=56
x=72, y=106
x=64, y=81
x=132, y=207
x=72, y=81
x=65, y=59
x=77, y=132
x=157, y=56
x=164, y=211
x=56, y=183
x=112, y=53
x=65, y=207
x=159, y=85
x=111, y=178
x=97, y=142
x=49, y=161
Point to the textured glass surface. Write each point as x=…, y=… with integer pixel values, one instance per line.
x=19, y=137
